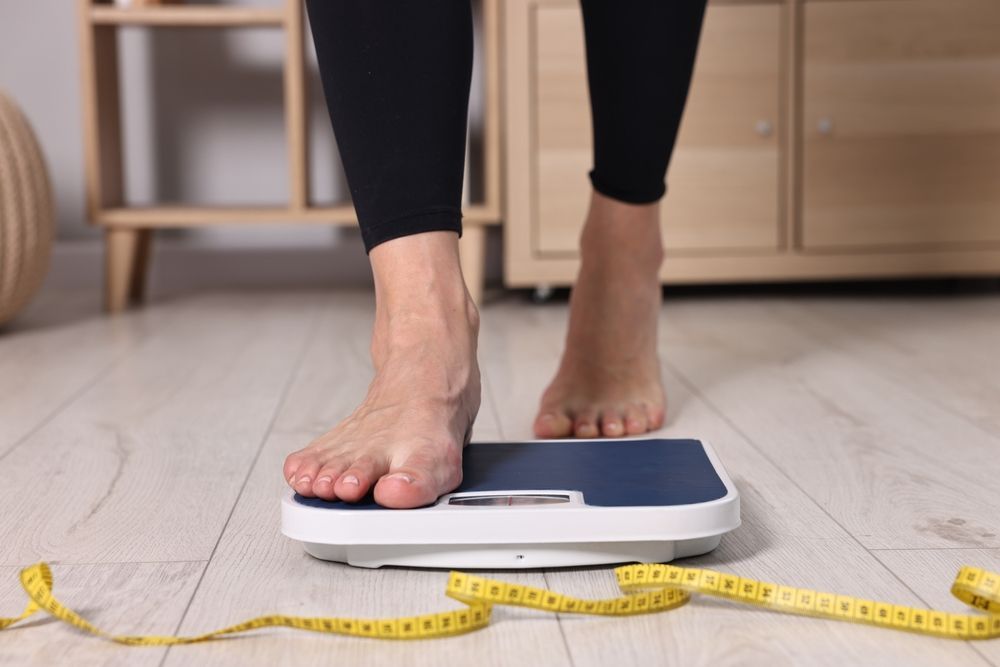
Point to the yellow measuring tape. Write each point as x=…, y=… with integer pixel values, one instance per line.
x=647, y=588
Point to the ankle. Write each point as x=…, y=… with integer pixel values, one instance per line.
x=420, y=295
x=444, y=319
x=622, y=233
x=419, y=277
x=421, y=267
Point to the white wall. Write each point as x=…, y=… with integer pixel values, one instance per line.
x=38, y=68
x=203, y=122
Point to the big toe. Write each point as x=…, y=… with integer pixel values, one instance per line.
x=553, y=424
x=407, y=488
x=420, y=478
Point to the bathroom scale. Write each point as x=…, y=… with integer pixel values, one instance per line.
x=541, y=503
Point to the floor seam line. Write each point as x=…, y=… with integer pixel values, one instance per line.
x=559, y=624
x=285, y=390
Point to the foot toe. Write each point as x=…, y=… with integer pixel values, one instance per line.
x=355, y=482
x=656, y=417
x=292, y=463
x=405, y=488
x=585, y=424
x=553, y=424
x=305, y=476
x=611, y=424
x=421, y=477
x=327, y=476
x=636, y=421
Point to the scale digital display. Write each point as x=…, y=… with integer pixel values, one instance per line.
x=509, y=500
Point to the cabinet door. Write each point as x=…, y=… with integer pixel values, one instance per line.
x=722, y=185
x=901, y=123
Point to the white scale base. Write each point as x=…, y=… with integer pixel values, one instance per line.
x=516, y=528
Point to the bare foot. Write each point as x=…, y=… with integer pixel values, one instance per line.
x=608, y=382
x=406, y=437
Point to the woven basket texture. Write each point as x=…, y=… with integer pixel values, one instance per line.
x=27, y=218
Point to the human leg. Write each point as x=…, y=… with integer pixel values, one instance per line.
x=396, y=77
x=640, y=55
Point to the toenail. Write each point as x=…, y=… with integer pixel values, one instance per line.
x=402, y=476
x=291, y=480
x=350, y=479
x=304, y=479
x=323, y=480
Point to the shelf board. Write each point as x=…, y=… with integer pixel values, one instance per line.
x=197, y=216
x=187, y=15
x=473, y=213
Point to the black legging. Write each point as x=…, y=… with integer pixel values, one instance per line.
x=396, y=76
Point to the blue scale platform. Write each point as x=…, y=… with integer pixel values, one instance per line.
x=609, y=473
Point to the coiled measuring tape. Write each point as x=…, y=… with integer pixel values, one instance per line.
x=647, y=588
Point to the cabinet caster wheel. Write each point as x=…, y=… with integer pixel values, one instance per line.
x=542, y=293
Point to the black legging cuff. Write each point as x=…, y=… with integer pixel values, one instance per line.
x=430, y=220
x=646, y=195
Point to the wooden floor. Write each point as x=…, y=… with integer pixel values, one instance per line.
x=141, y=456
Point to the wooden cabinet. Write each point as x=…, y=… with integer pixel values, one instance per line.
x=724, y=175
x=822, y=139
x=901, y=123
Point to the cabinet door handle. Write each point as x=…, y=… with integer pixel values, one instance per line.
x=825, y=126
x=764, y=127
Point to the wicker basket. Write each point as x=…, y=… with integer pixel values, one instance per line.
x=27, y=222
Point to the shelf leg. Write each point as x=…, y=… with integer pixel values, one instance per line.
x=140, y=271
x=126, y=253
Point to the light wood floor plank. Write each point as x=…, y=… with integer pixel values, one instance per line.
x=888, y=462
x=859, y=432
x=256, y=570
x=54, y=351
x=126, y=599
x=785, y=537
x=951, y=358
x=147, y=464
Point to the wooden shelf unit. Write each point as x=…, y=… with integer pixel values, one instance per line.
x=128, y=229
